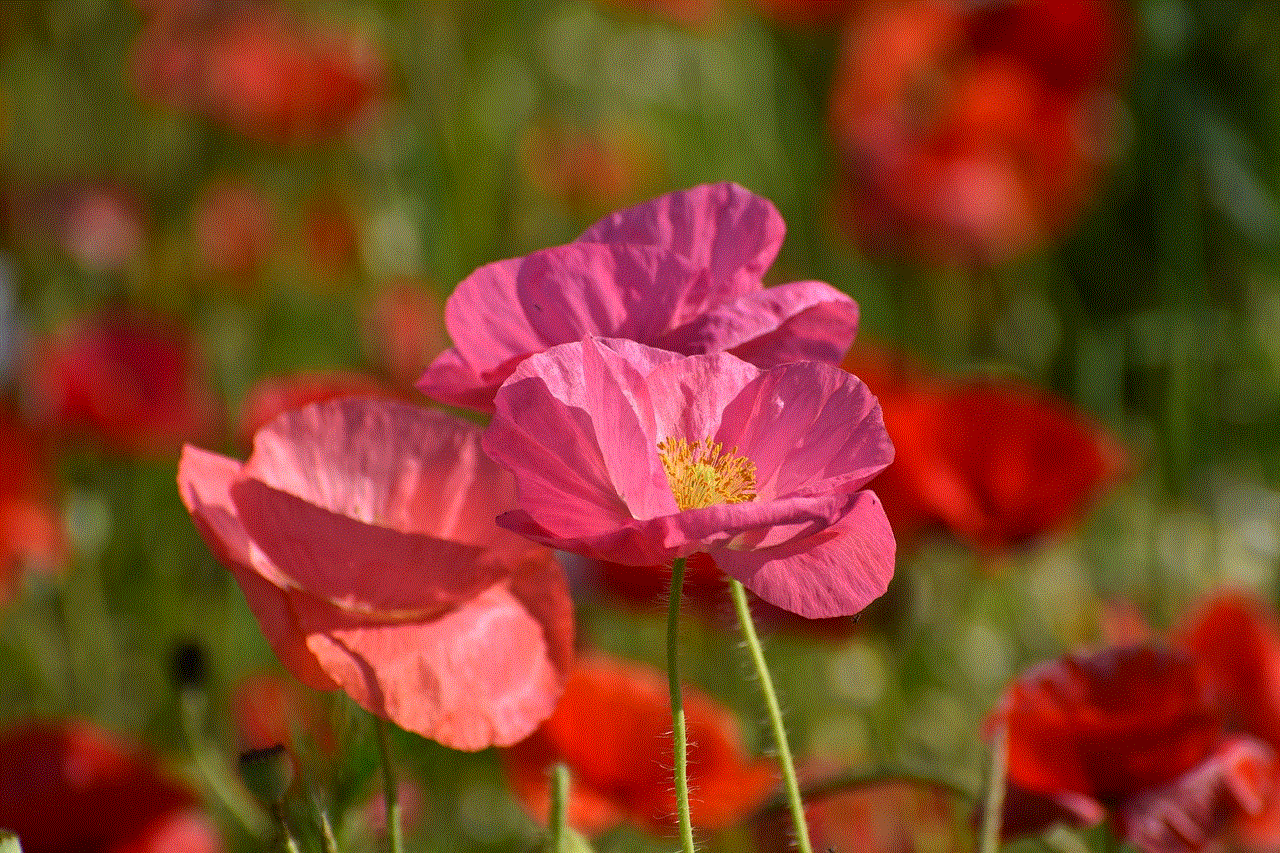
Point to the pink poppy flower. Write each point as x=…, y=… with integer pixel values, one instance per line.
x=682, y=272
x=362, y=534
x=635, y=455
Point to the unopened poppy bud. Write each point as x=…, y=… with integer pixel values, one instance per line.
x=187, y=665
x=267, y=773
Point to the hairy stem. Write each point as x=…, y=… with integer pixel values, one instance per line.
x=679, y=745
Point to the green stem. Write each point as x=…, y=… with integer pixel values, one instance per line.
x=559, y=807
x=679, y=746
x=789, y=783
x=993, y=808
x=389, y=790
x=286, y=838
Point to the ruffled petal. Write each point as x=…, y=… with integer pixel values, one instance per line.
x=483, y=674
x=364, y=568
x=808, y=427
x=450, y=380
x=633, y=292
x=801, y=321
x=835, y=572
x=722, y=228
x=204, y=482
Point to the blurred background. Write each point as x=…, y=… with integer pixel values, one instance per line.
x=1059, y=219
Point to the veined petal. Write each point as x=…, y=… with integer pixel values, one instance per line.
x=364, y=568
x=801, y=321
x=808, y=427
x=722, y=228
x=691, y=394
x=485, y=673
x=204, y=482
x=835, y=572
x=621, y=291
x=450, y=380
x=485, y=319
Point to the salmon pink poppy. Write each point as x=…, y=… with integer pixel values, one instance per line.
x=69, y=787
x=682, y=272
x=271, y=396
x=361, y=532
x=636, y=455
x=613, y=729
x=1131, y=731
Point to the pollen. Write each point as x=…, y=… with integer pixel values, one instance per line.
x=702, y=473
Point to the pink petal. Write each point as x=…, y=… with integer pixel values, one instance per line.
x=204, y=481
x=802, y=321
x=483, y=674
x=361, y=567
x=836, y=572
x=391, y=464
x=720, y=227
x=690, y=394
x=619, y=291
x=808, y=428
x=450, y=380
x=551, y=418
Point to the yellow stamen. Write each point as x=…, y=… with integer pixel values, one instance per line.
x=701, y=474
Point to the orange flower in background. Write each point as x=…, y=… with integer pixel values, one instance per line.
x=404, y=329
x=69, y=787
x=993, y=488
x=973, y=130
x=1133, y=732
x=613, y=729
x=588, y=171
x=132, y=381
x=31, y=536
x=270, y=709
x=891, y=817
x=275, y=395
x=235, y=228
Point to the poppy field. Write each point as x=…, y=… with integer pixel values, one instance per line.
x=639, y=425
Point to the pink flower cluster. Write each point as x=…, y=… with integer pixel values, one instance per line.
x=651, y=399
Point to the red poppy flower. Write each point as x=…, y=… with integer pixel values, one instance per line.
x=69, y=787
x=31, y=535
x=973, y=129
x=613, y=729
x=992, y=488
x=1236, y=642
x=270, y=79
x=1132, y=731
x=132, y=381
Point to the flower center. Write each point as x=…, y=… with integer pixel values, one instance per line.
x=703, y=474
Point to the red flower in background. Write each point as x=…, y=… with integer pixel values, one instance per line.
x=613, y=729
x=973, y=130
x=997, y=463
x=1132, y=731
x=591, y=171
x=133, y=382
x=31, y=536
x=270, y=79
x=1235, y=640
x=235, y=228
x=69, y=787
x=253, y=68
x=269, y=710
